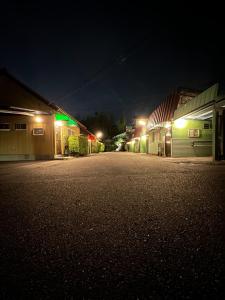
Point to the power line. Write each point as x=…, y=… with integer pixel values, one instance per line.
x=119, y=60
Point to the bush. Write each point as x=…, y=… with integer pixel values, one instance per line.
x=73, y=143
x=83, y=143
x=101, y=147
x=94, y=147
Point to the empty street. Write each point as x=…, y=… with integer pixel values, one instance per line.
x=112, y=226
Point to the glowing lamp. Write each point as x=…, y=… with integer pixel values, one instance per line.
x=167, y=125
x=180, y=123
x=38, y=119
x=141, y=122
x=58, y=123
x=99, y=134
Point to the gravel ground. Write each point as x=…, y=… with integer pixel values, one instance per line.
x=112, y=226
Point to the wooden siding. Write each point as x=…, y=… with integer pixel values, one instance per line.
x=22, y=144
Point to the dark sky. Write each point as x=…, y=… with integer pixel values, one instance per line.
x=126, y=58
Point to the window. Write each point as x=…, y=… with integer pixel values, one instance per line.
x=206, y=125
x=20, y=126
x=4, y=126
x=193, y=133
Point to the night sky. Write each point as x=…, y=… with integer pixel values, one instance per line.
x=122, y=58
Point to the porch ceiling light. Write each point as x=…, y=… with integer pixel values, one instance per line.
x=180, y=123
x=58, y=123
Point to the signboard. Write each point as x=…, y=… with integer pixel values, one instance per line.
x=38, y=131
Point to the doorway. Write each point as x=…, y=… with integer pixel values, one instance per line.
x=58, y=140
x=168, y=144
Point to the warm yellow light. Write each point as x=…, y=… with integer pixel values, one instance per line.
x=38, y=119
x=99, y=134
x=58, y=123
x=180, y=123
x=141, y=122
x=144, y=137
x=167, y=125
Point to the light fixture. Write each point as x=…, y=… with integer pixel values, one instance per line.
x=180, y=123
x=167, y=125
x=141, y=122
x=58, y=123
x=99, y=134
x=38, y=119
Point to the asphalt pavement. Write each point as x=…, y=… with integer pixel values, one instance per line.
x=112, y=226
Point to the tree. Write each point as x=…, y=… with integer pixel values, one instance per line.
x=102, y=122
x=122, y=124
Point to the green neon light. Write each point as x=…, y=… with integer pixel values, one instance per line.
x=62, y=117
x=72, y=122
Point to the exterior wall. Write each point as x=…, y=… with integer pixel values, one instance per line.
x=130, y=147
x=136, y=148
x=143, y=145
x=156, y=141
x=22, y=144
x=185, y=146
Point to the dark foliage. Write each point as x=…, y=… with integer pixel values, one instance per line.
x=102, y=122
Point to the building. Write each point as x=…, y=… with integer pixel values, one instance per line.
x=198, y=128
x=30, y=126
x=153, y=135
x=159, y=123
x=187, y=124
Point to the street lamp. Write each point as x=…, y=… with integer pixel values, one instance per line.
x=99, y=135
x=141, y=122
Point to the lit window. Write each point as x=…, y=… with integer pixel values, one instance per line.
x=20, y=126
x=4, y=126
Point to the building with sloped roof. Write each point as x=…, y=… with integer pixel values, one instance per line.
x=30, y=126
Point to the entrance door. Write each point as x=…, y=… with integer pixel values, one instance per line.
x=58, y=140
x=221, y=135
x=168, y=145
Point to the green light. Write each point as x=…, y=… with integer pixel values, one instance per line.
x=62, y=117
x=71, y=123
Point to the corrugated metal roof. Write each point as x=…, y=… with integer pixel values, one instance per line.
x=197, y=102
x=164, y=112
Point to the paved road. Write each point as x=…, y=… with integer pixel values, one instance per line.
x=112, y=226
